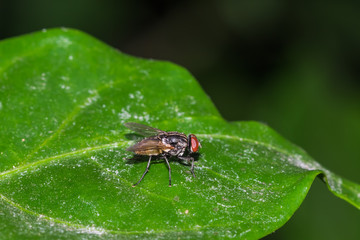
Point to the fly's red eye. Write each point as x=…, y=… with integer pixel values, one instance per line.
x=194, y=143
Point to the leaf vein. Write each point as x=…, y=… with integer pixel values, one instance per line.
x=63, y=155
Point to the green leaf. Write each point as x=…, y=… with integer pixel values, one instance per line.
x=65, y=174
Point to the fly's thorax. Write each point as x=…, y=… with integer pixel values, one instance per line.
x=177, y=140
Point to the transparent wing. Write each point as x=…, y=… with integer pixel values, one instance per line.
x=145, y=145
x=149, y=147
x=143, y=129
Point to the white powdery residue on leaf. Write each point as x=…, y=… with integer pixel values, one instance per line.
x=137, y=95
x=63, y=41
x=225, y=206
x=188, y=179
x=259, y=182
x=144, y=117
x=91, y=230
x=38, y=84
x=197, y=226
x=124, y=114
x=43, y=77
x=65, y=78
x=334, y=182
x=64, y=87
x=297, y=160
x=1, y=106
x=186, y=119
x=145, y=72
x=115, y=133
x=244, y=232
x=192, y=100
x=92, y=99
x=178, y=112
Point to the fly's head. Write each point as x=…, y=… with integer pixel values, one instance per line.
x=194, y=143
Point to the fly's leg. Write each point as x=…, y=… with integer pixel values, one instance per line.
x=188, y=159
x=146, y=170
x=192, y=167
x=167, y=162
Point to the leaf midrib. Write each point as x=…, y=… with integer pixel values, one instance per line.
x=63, y=155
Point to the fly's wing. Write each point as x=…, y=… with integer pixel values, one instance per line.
x=142, y=129
x=150, y=147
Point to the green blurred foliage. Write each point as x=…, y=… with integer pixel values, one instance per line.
x=294, y=66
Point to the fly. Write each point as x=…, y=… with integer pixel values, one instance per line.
x=163, y=144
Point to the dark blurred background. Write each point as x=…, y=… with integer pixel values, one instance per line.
x=292, y=65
